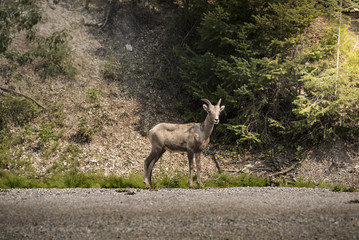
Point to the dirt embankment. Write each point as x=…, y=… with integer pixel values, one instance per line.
x=113, y=64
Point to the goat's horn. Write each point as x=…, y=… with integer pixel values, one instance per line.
x=206, y=101
x=219, y=102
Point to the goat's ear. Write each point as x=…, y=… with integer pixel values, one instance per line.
x=222, y=108
x=205, y=107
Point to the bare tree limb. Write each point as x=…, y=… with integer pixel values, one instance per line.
x=232, y=171
x=22, y=95
x=188, y=33
x=107, y=16
x=217, y=164
x=285, y=171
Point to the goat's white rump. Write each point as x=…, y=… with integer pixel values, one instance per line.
x=191, y=138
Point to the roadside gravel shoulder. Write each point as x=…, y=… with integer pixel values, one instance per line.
x=231, y=213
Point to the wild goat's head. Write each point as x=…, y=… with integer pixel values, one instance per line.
x=213, y=111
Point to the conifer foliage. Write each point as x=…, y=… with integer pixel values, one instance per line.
x=273, y=63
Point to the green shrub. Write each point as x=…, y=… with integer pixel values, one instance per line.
x=92, y=94
x=133, y=181
x=85, y=132
x=46, y=134
x=54, y=55
x=51, y=55
x=5, y=143
x=342, y=188
x=180, y=180
x=324, y=184
x=72, y=178
x=16, y=16
x=16, y=110
x=14, y=180
x=68, y=160
x=69, y=179
x=11, y=156
x=113, y=69
x=301, y=182
x=165, y=180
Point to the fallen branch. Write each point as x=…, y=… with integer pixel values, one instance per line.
x=22, y=95
x=285, y=171
x=232, y=171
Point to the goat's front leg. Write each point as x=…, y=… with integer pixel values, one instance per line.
x=191, y=165
x=198, y=165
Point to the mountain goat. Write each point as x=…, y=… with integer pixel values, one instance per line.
x=190, y=137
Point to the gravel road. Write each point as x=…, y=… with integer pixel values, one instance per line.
x=233, y=213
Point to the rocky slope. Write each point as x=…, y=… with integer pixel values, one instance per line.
x=112, y=64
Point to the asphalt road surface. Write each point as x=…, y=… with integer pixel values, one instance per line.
x=233, y=213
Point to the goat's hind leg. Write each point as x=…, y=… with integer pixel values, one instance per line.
x=147, y=167
x=149, y=164
x=152, y=164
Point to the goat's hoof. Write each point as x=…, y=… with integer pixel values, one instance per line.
x=147, y=184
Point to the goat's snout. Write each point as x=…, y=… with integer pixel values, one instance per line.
x=216, y=121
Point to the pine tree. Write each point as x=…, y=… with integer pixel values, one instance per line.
x=243, y=56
